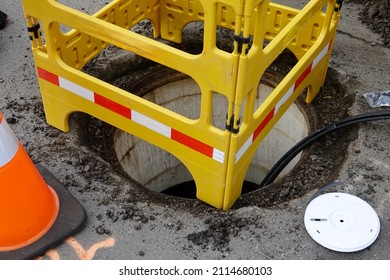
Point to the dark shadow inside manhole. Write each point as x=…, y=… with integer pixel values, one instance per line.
x=184, y=190
x=160, y=173
x=188, y=189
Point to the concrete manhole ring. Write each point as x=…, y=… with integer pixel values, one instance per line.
x=131, y=157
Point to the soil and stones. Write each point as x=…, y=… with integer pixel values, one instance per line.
x=376, y=15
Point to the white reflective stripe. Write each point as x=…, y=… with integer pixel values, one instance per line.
x=320, y=56
x=138, y=118
x=244, y=147
x=9, y=144
x=151, y=124
x=284, y=98
x=76, y=89
x=218, y=155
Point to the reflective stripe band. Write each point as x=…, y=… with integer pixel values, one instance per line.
x=112, y=106
x=281, y=102
x=134, y=116
x=218, y=155
x=76, y=89
x=244, y=147
x=9, y=144
x=151, y=124
x=192, y=143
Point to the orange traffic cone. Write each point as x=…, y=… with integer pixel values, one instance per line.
x=28, y=206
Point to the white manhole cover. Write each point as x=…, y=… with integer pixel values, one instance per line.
x=342, y=222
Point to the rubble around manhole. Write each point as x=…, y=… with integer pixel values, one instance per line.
x=218, y=232
x=318, y=166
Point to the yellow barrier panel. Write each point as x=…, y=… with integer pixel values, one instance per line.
x=217, y=159
x=319, y=29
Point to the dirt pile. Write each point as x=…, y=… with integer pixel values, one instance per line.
x=218, y=232
x=376, y=15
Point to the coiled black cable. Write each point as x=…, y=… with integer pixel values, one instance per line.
x=308, y=140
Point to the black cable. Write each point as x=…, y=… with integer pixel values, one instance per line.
x=289, y=155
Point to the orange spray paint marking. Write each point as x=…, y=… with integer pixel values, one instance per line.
x=90, y=253
x=52, y=254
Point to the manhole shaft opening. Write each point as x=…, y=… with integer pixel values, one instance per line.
x=159, y=171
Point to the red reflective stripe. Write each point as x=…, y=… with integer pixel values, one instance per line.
x=263, y=124
x=1, y=117
x=303, y=76
x=48, y=76
x=126, y=112
x=192, y=143
x=112, y=105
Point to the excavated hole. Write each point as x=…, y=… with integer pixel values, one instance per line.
x=158, y=172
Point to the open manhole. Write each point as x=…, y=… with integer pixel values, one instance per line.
x=157, y=171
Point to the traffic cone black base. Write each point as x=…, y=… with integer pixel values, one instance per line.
x=70, y=220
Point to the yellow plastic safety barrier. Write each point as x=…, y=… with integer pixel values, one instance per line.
x=218, y=160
